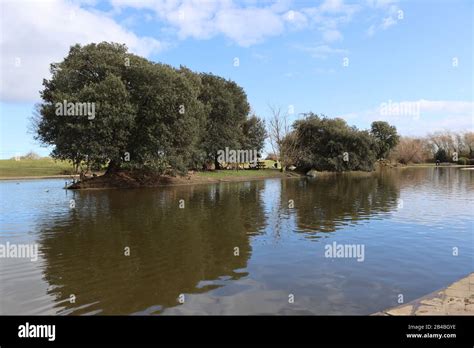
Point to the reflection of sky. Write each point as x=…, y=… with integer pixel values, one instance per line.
x=21, y=281
x=407, y=251
x=424, y=205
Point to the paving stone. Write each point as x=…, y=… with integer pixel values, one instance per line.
x=403, y=310
x=456, y=299
x=430, y=310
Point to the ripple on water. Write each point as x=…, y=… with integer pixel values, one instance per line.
x=408, y=221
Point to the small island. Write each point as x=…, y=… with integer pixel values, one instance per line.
x=124, y=121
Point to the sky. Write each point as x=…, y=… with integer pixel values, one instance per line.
x=409, y=63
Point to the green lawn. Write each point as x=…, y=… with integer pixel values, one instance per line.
x=422, y=165
x=39, y=167
x=237, y=173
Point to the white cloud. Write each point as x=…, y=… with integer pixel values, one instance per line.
x=421, y=117
x=337, y=6
x=205, y=19
x=248, y=26
x=381, y=3
x=261, y=57
x=295, y=19
x=321, y=51
x=251, y=22
x=247, y=23
x=332, y=35
x=332, y=6
x=392, y=15
x=38, y=33
x=388, y=22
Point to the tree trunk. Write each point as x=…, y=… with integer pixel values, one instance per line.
x=113, y=167
x=282, y=164
x=216, y=163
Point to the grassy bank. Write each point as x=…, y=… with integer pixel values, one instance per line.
x=430, y=165
x=46, y=167
x=135, y=179
x=222, y=174
x=34, y=167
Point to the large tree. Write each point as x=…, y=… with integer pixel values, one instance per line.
x=279, y=130
x=89, y=74
x=227, y=109
x=330, y=144
x=254, y=134
x=148, y=111
x=386, y=138
x=170, y=118
x=410, y=150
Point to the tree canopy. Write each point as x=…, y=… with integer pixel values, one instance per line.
x=146, y=114
x=386, y=138
x=330, y=144
x=106, y=106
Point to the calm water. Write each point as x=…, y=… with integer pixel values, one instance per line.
x=408, y=221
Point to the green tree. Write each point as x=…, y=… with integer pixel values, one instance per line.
x=254, y=134
x=441, y=155
x=170, y=118
x=89, y=74
x=386, y=138
x=147, y=114
x=149, y=111
x=227, y=109
x=330, y=144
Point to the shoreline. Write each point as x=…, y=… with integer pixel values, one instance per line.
x=124, y=180
x=455, y=299
x=39, y=177
x=209, y=179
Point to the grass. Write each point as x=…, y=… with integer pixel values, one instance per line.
x=48, y=167
x=218, y=174
x=427, y=165
x=34, y=167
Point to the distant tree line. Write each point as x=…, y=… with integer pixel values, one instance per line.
x=443, y=146
x=329, y=144
x=150, y=115
x=147, y=115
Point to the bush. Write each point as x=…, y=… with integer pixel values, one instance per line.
x=441, y=156
x=328, y=144
x=463, y=161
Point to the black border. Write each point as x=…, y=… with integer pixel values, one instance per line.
x=224, y=330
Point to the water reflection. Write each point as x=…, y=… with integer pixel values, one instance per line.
x=237, y=248
x=172, y=249
x=327, y=203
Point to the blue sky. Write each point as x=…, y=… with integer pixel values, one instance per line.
x=290, y=54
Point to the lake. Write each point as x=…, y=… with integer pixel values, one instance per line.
x=258, y=247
